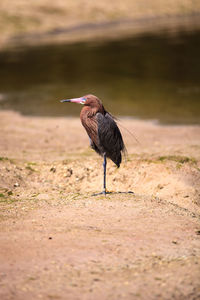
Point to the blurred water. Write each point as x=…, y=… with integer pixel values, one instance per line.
x=148, y=77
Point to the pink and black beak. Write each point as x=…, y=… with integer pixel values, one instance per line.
x=80, y=100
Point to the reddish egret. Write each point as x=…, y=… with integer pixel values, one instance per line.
x=104, y=134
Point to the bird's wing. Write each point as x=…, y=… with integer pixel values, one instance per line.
x=110, y=138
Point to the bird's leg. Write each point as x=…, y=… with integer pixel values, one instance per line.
x=104, y=174
x=104, y=192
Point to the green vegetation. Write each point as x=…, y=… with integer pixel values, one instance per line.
x=30, y=169
x=31, y=163
x=7, y=200
x=178, y=158
x=3, y=158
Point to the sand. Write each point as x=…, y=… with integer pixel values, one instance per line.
x=58, y=241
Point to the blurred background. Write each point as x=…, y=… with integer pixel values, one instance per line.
x=140, y=57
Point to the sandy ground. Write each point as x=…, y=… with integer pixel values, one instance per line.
x=60, y=242
x=44, y=21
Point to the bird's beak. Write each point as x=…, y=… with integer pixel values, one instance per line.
x=80, y=100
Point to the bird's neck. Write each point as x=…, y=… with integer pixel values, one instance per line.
x=92, y=111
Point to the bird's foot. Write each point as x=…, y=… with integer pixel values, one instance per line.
x=104, y=192
x=107, y=192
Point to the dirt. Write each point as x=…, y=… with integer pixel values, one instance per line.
x=58, y=241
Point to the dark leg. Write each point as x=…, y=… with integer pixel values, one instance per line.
x=104, y=177
x=104, y=192
x=104, y=173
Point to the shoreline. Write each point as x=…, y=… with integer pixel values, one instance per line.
x=103, y=31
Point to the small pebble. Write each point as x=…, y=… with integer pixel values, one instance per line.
x=174, y=242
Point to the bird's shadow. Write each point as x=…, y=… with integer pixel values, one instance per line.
x=112, y=193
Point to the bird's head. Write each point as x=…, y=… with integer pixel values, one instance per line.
x=87, y=100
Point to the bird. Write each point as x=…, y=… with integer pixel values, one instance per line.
x=101, y=127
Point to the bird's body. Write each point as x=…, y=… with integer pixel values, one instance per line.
x=104, y=134
x=103, y=131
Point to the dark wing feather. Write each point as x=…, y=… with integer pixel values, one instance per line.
x=94, y=147
x=110, y=138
